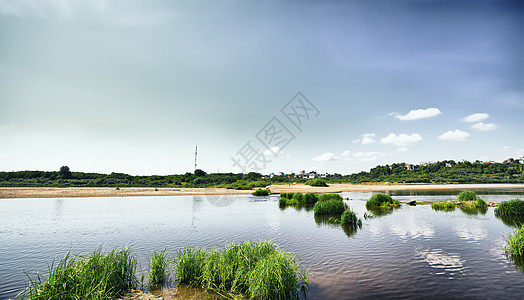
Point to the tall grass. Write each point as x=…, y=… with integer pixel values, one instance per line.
x=311, y=198
x=262, y=192
x=330, y=207
x=330, y=196
x=444, y=205
x=515, y=246
x=258, y=270
x=97, y=276
x=510, y=208
x=467, y=196
x=349, y=218
x=381, y=200
x=158, y=269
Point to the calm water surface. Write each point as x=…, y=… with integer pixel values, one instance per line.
x=414, y=252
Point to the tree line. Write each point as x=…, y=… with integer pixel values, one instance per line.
x=447, y=171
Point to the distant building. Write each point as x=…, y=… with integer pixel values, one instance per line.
x=510, y=160
x=410, y=167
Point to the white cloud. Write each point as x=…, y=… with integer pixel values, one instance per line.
x=454, y=135
x=272, y=151
x=416, y=114
x=401, y=140
x=476, y=117
x=345, y=153
x=483, y=126
x=325, y=157
x=367, y=156
x=368, y=138
x=356, y=141
x=403, y=149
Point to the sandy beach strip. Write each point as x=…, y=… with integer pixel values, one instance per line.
x=332, y=188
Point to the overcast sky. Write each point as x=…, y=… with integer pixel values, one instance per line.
x=132, y=86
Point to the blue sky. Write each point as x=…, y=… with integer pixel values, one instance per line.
x=133, y=86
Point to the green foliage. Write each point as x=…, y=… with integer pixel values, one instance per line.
x=311, y=198
x=65, y=173
x=330, y=207
x=514, y=247
x=282, y=202
x=258, y=270
x=299, y=198
x=262, y=192
x=287, y=195
x=467, y=196
x=158, y=269
x=330, y=196
x=97, y=276
x=317, y=182
x=444, y=205
x=381, y=200
x=510, y=208
x=200, y=173
x=349, y=217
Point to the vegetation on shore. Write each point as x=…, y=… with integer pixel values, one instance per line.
x=514, y=247
x=262, y=192
x=447, y=171
x=97, y=276
x=317, y=182
x=468, y=202
x=511, y=212
x=256, y=270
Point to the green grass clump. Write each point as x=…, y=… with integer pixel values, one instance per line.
x=444, y=205
x=330, y=196
x=317, y=182
x=311, y=198
x=299, y=198
x=515, y=246
x=96, y=276
x=467, y=196
x=381, y=200
x=349, y=217
x=510, y=208
x=158, y=269
x=258, y=270
x=329, y=207
x=287, y=195
x=282, y=202
x=262, y=192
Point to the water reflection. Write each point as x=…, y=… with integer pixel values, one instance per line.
x=474, y=210
x=382, y=211
x=412, y=228
x=471, y=231
x=511, y=221
x=444, y=263
x=59, y=208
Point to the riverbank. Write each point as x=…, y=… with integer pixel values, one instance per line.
x=294, y=188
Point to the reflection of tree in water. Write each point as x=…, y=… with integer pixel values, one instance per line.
x=473, y=210
x=381, y=211
x=511, y=221
x=351, y=230
x=330, y=221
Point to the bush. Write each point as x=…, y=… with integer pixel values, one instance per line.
x=381, y=200
x=467, y=196
x=330, y=196
x=329, y=207
x=510, y=208
x=287, y=195
x=262, y=192
x=515, y=246
x=317, y=182
x=282, y=201
x=311, y=198
x=350, y=218
x=444, y=205
x=299, y=198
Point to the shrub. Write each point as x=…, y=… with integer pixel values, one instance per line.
x=299, y=198
x=444, y=205
x=350, y=218
x=262, y=192
x=287, y=195
x=330, y=196
x=311, y=198
x=382, y=200
x=467, y=196
x=515, y=246
x=510, y=208
x=317, y=182
x=329, y=207
x=282, y=201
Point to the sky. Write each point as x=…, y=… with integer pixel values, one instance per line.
x=328, y=86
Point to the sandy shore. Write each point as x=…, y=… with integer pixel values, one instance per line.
x=128, y=192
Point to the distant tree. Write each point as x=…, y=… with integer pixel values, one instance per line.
x=200, y=173
x=252, y=176
x=65, y=173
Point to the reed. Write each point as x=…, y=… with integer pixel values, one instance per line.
x=381, y=200
x=350, y=218
x=158, y=269
x=311, y=198
x=510, y=208
x=514, y=247
x=259, y=270
x=467, y=196
x=97, y=276
x=330, y=207
x=444, y=205
x=262, y=192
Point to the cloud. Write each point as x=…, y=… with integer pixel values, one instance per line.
x=401, y=140
x=454, y=135
x=356, y=141
x=483, y=126
x=403, y=149
x=367, y=156
x=368, y=138
x=416, y=114
x=345, y=153
x=325, y=157
x=475, y=117
x=272, y=151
